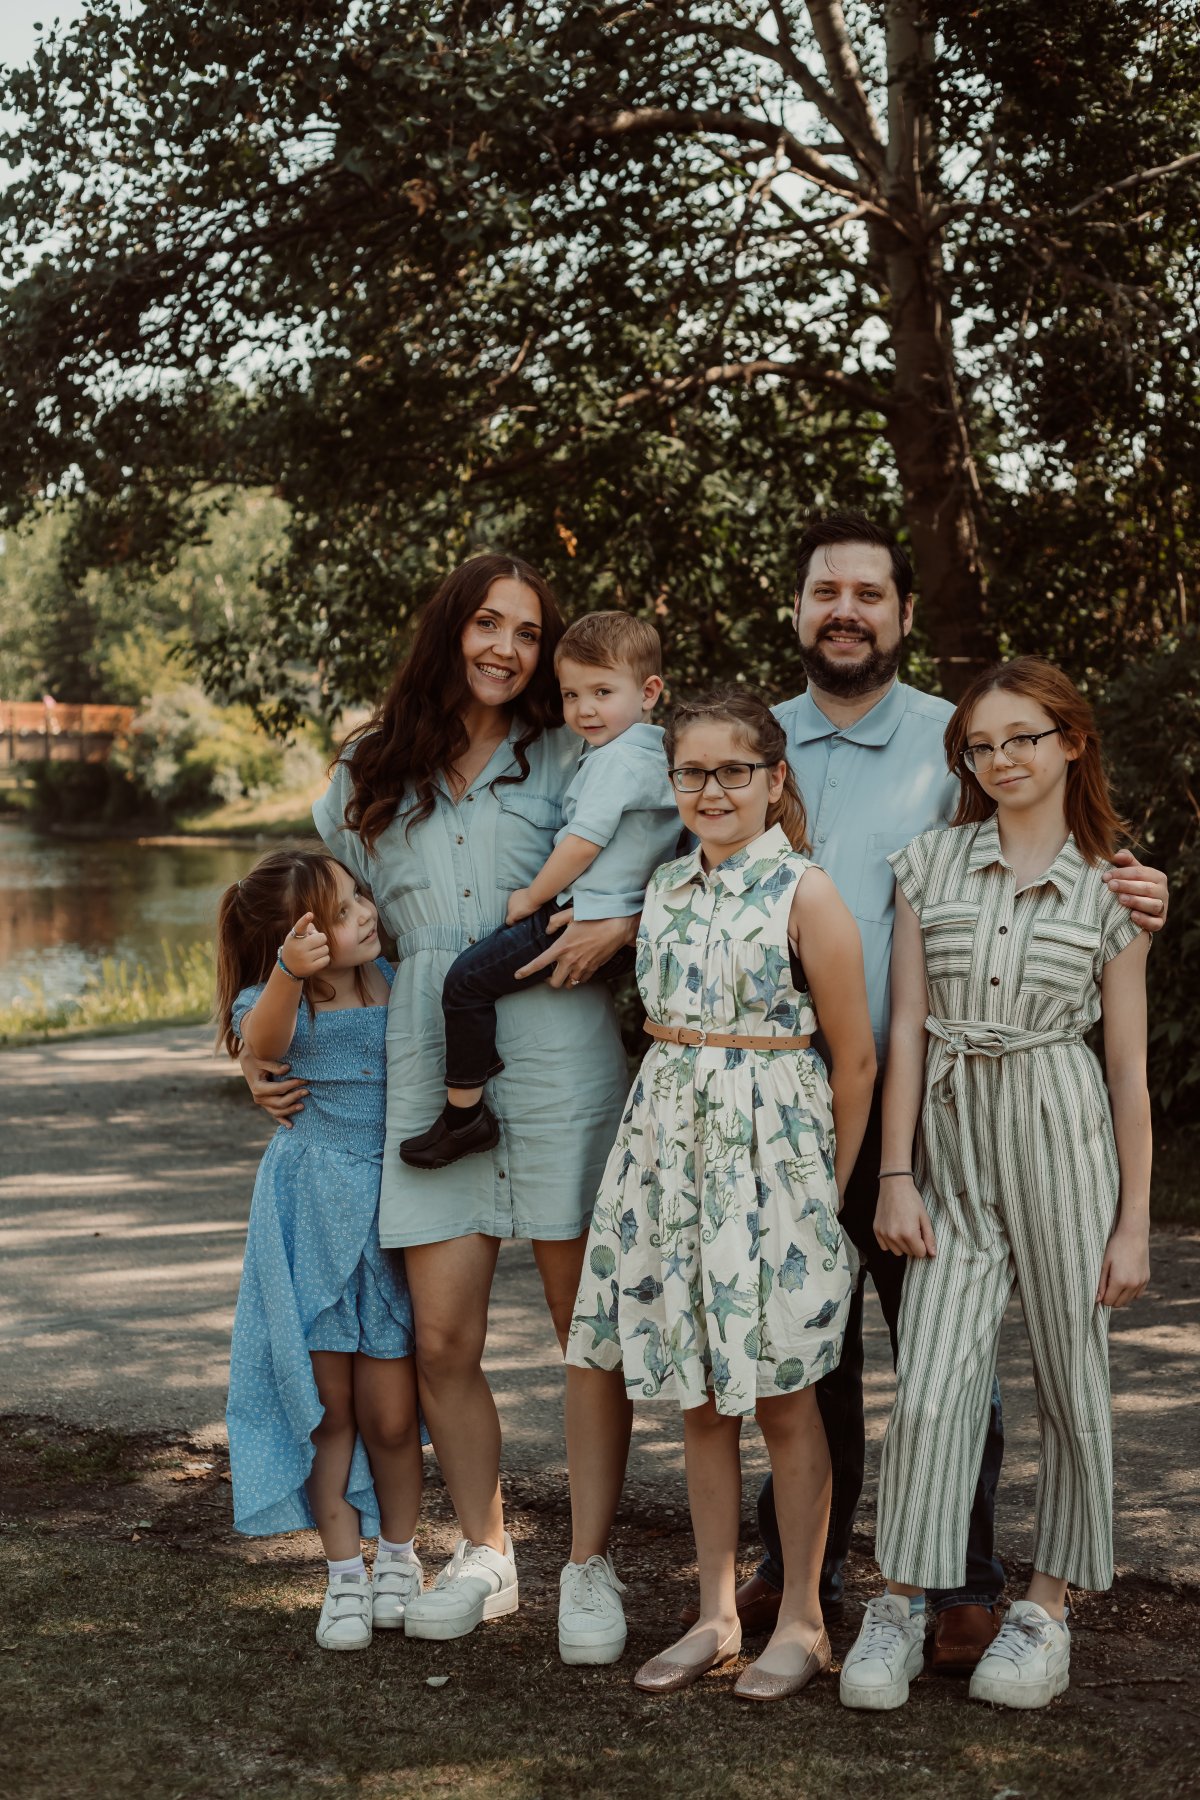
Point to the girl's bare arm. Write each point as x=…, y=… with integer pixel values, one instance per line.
x=1123, y=998
x=826, y=939
x=901, y=1221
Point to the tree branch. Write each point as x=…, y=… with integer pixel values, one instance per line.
x=1131, y=181
x=653, y=121
x=837, y=52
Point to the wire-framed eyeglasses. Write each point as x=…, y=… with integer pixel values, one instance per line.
x=691, y=779
x=1020, y=749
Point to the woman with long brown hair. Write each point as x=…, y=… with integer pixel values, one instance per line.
x=443, y=804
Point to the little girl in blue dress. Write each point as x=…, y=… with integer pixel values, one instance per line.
x=324, y=1426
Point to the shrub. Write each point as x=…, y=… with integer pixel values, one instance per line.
x=1150, y=719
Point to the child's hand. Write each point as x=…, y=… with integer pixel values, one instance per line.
x=305, y=951
x=1126, y=1268
x=901, y=1222
x=520, y=906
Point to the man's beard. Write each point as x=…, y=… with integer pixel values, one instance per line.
x=850, y=680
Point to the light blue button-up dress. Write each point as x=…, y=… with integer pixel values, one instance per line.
x=559, y=1098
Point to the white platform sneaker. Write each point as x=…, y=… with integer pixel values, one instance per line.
x=591, y=1619
x=1028, y=1662
x=345, y=1621
x=395, y=1584
x=888, y=1654
x=477, y=1583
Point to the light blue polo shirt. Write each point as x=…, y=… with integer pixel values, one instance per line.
x=869, y=790
x=620, y=798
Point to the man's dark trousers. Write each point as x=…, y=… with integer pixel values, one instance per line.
x=840, y=1398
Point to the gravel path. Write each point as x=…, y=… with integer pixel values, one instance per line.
x=125, y=1179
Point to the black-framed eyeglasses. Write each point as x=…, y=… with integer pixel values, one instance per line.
x=691, y=779
x=1019, y=749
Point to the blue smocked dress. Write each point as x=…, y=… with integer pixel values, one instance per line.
x=314, y=1276
x=440, y=887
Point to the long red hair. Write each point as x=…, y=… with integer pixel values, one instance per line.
x=1092, y=818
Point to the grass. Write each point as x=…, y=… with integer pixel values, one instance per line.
x=150, y=1654
x=122, y=996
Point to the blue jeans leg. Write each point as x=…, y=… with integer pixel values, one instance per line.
x=475, y=981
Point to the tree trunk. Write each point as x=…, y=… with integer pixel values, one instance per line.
x=927, y=428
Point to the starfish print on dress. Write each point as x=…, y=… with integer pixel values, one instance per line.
x=727, y=1298
x=682, y=918
x=602, y=1324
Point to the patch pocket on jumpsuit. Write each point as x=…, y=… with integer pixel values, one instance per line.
x=1061, y=958
x=525, y=828
x=948, y=932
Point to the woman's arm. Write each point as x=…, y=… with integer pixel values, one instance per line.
x=827, y=941
x=564, y=865
x=1123, y=999
x=901, y=1221
x=582, y=948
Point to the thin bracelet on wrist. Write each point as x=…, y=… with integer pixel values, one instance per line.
x=284, y=967
x=885, y=1174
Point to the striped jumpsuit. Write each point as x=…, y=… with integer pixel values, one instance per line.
x=1017, y=1165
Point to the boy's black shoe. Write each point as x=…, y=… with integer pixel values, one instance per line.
x=441, y=1145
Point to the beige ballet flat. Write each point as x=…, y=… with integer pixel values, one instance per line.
x=760, y=1684
x=662, y=1676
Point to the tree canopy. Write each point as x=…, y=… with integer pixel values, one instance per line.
x=629, y=288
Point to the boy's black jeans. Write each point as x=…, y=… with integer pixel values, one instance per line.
x=486, y=973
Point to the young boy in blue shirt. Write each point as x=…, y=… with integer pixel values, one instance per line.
x=619, y=822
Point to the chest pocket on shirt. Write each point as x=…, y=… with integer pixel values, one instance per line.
x=876, y=883
x=525, y=831
x=399, y=867
x=1061, y=958
x=948, y=932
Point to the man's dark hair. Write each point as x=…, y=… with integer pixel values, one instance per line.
x=852, y=528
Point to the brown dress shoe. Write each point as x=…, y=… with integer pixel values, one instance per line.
x=757, y=1608
x=961, y=1634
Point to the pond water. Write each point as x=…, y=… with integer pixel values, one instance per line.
x=67, y=903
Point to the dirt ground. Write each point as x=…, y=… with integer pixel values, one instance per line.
x=149, y=1652
x=146, y=1651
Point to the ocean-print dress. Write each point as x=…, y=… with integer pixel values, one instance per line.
x=715, y=1260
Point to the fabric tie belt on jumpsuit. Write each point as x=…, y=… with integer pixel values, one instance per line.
x=954, y=1040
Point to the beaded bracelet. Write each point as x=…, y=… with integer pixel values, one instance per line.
x=886, y=1174
x=284, y=967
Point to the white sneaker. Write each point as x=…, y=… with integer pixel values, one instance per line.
x=1028, y=1662
x=888, y=1653
x=395, y=1582
x=477, y=1583
x=345, y=1621
x=591, y=1619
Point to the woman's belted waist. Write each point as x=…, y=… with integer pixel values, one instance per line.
x=956, y=1039
x=695, y=1037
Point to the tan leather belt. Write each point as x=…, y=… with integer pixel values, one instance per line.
x=691, y=1037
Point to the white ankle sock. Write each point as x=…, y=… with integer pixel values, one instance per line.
x=350, y=1565
x=398, y=1552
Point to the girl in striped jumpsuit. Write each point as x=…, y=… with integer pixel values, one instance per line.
x=1028, y=1171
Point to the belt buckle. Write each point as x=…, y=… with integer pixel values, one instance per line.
x=701, y=1036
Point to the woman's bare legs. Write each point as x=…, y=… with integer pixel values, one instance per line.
x=711, y=1444
x=450, y=1284
x=333, y=1447
x=795, y=1438
x=385, y=1406
x=598, y=1413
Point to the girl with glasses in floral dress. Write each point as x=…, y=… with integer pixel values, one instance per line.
x=716, y=1272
